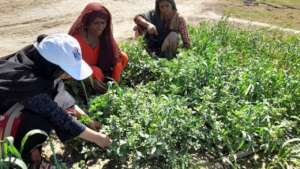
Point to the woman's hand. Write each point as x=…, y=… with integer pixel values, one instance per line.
x=95, y=125
x=104, y=141
x=151, y=29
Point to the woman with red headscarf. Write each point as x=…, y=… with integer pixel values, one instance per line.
x=93, y=30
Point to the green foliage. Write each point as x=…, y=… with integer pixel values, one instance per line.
x=233, y=92
x=144, y=69
x=10, y=157
x=149, y=136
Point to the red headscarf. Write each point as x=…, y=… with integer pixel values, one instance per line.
x=109, y=51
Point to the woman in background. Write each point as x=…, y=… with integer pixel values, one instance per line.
x=161, y=27
x=93, y=30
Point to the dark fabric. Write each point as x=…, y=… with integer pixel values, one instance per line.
x=41, y=112
x=25, y=74
x=64, y=125
x=32, y=120
x=29, y=122
x=154, y=42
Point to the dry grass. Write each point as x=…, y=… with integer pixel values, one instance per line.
x=283, y=13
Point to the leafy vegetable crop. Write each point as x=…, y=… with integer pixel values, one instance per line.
x=231, y=100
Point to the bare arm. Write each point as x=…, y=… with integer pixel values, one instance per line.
x=139, y=20
x=102, y=140
x=151, y=29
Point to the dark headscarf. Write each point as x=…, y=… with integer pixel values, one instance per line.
x=109, y=50
x=25, y=74
x=172, y=2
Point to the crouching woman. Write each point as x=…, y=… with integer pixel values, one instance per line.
x=32, y=77
x=161, y=29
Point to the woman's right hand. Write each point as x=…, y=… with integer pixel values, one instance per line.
x=104, y=141
x=151, y=29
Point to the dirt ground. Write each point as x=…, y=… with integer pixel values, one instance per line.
x=23, y=20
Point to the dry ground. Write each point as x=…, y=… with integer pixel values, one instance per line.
x=23, y=20
x=283, y=13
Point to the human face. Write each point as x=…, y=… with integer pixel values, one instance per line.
x=165, y=8
x=97, y=26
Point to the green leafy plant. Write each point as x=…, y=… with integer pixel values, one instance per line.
x=232, y=99
x=9, y=155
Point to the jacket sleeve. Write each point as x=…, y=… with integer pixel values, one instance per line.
x=65, y=126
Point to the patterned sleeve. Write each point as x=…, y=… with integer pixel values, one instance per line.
x=184, y=32
x=66, y=127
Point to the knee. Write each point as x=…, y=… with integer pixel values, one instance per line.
x=171, y=42
x=173, y=38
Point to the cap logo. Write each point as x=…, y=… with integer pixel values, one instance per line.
x=76, y=54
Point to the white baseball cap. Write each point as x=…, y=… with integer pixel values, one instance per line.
x=64, y=50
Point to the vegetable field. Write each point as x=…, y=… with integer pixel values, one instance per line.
x=231, y=101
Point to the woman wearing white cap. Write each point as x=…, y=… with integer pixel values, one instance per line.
x=32, y=77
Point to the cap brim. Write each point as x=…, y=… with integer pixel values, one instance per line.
x=79, y=71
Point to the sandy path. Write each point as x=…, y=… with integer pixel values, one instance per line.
x=213, y=16
x=23, y=20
